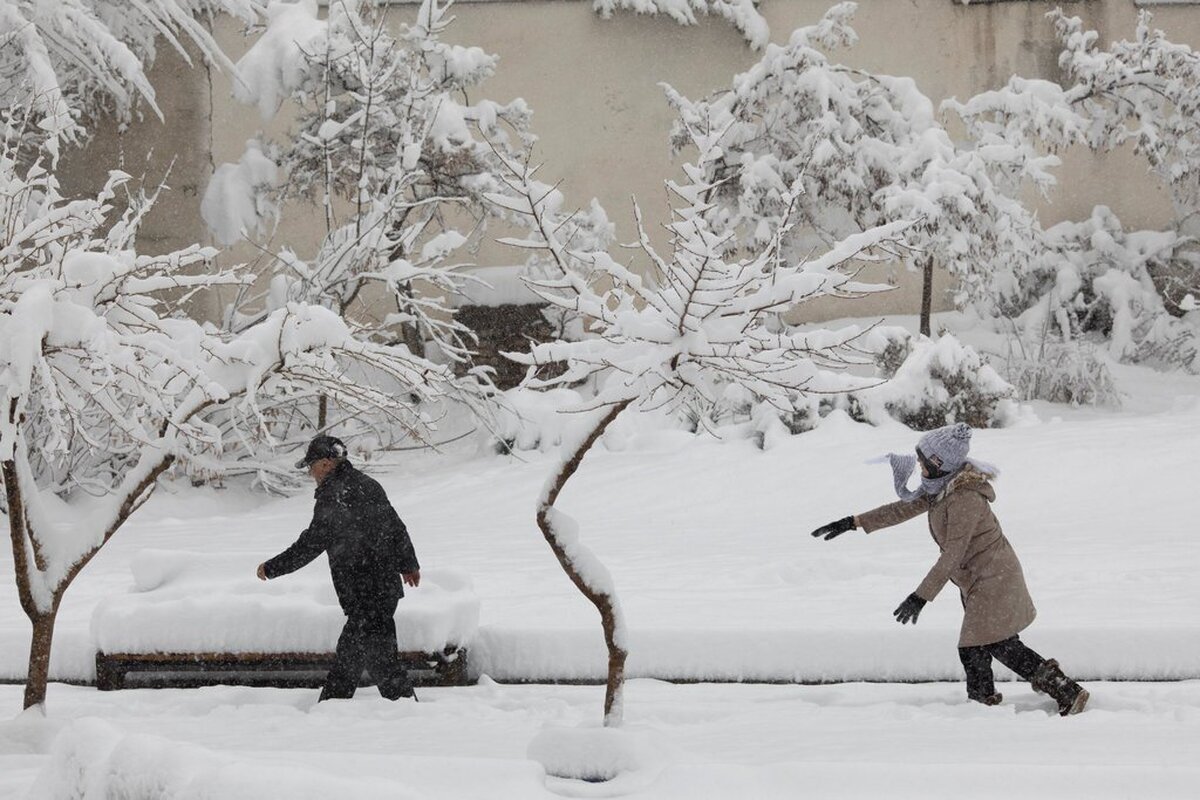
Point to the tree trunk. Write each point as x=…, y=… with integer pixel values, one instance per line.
x=39, y=658
x=602, y=600
x=927, y=297
x=322, y=413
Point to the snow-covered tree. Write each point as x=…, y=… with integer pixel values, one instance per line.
x=702, y=321
x=65, y=60
x=105, y=382
x=582, y=231
x=1094, y=277
x=387, y=145
x=868, y=149
x=743, y=14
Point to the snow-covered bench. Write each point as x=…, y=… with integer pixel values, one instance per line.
x=197, y=619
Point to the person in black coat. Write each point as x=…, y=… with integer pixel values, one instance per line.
x=371, y=558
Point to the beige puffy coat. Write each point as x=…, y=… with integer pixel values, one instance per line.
x=975, y=556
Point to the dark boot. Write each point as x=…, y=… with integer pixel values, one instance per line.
x=993, y=699
x=1070, y=696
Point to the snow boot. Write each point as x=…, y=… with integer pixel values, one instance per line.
x=1070, y=696
x=993, y=699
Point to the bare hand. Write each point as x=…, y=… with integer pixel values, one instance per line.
x=262, y=572
x=412, y=578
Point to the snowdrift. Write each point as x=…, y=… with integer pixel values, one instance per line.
x=91, y=760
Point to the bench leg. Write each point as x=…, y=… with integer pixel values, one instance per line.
x=109, y=676
x=452, y=671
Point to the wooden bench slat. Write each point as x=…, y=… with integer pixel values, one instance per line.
x=449, y=667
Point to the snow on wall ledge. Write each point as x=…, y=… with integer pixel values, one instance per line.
x=195, y=603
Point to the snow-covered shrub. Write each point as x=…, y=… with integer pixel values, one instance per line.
x=1126, y=287
x=1074, y=373
x=1095, y=282
x=920, y=382
x=937, y=382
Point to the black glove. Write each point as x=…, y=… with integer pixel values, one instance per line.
x=835, y=528
x=910, y=609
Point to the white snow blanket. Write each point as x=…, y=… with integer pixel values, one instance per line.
x=191, y=602
x=91, y=760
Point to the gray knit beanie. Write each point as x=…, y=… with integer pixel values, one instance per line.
x=947, y=447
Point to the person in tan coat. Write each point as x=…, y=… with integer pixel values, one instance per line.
x=956, y=493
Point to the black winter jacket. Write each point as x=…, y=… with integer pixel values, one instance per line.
x=367, y=543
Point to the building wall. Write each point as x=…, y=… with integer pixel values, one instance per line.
x=603, y=122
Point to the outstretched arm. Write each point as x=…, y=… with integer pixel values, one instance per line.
x=312, y=542
x=892, y=514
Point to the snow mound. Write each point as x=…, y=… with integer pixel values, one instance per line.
x=596, y=754
x=91, y=760
x=190, y=602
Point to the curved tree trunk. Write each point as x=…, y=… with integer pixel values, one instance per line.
x=39, y=658
x=600, y=597
x=24, y=541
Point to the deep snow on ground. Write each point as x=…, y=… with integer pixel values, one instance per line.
x=707, y=741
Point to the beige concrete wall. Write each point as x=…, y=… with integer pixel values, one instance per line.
x=603, y=123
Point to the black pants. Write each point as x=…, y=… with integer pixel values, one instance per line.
x=977, y=661
x=367, y=641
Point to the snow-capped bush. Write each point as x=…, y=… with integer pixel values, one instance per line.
x=1095, y=279
x=1096, y=282
x=1075, y=373
x=936, y=382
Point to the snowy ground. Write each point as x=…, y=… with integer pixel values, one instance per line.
x=708, y=544
x=712, y=741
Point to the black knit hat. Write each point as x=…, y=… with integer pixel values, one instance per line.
x=322, y=447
